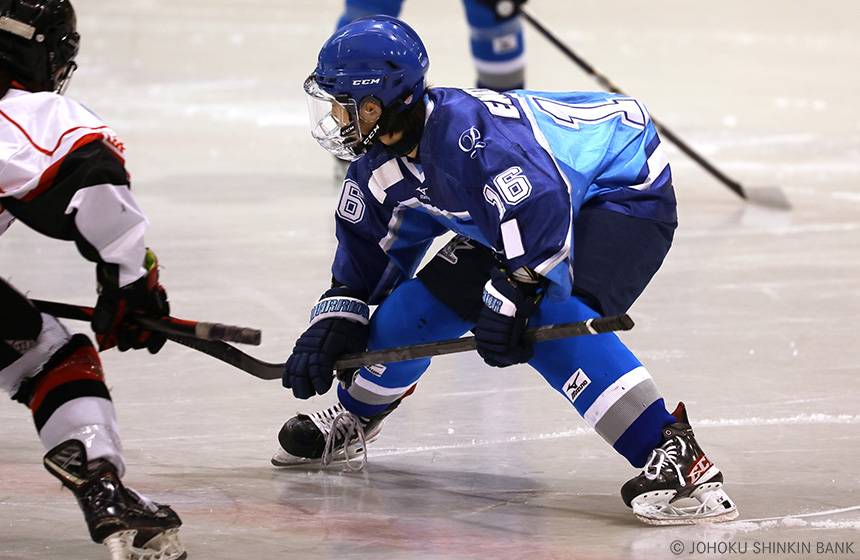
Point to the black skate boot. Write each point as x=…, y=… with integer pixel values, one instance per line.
x=679, y=484
x=319, y=437
x=131, y=526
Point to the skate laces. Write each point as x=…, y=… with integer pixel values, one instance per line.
x=665, y=455
x=142, y=500
x=348, y=426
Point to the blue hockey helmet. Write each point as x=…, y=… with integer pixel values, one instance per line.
x=38, y=41
x=378, y=57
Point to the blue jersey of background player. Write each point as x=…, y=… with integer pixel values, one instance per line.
x=563, y=208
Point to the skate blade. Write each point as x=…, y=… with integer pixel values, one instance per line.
x=164, y=546
x=709, y=504
x=283, y=459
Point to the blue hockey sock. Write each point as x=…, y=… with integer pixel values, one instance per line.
x=410, y=315
x=606, y=383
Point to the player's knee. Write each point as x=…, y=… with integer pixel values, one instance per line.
x=25, y=352
x=71, y=372
x=412, y=315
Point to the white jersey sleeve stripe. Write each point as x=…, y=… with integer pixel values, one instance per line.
x=383, y=177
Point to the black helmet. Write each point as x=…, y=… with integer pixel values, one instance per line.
x=38, y=41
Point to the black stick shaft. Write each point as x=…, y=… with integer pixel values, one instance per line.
x=266, y=370
x=611, y=87
x=166, y=325
x=597, y=325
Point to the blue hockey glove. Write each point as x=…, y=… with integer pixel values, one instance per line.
x=508, y=304
x=339, y=325
x=503, y=9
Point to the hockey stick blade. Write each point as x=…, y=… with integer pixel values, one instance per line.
x=265, y=370
x=231, y=355
x=165, y=325
x=766, y=196
x=772, y=197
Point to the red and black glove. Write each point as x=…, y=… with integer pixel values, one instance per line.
x=112, y=318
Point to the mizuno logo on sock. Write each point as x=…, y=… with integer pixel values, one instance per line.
x=576, y=384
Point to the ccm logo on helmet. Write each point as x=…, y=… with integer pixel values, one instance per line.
x=366, y=81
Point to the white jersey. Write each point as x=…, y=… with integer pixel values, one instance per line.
x=62, y=172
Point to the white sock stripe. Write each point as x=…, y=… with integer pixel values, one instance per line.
x=371, y=393
x=500, y=67
x=627, y=410
x=614, y=392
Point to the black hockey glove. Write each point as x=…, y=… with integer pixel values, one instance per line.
x=508, y=304
x=503, y=9
x=115, y=306
x=339, y=325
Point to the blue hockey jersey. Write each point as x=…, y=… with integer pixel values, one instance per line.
x=508, y=170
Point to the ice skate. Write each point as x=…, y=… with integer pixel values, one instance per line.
x=320, y=437
x=131, y=526
x=679, y=484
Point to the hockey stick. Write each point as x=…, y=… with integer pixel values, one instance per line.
x=265, y=370
x=766, y=196
x=166, y=325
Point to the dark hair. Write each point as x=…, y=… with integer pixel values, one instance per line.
x=410, y=118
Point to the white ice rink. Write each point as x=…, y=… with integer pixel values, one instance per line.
x=753, y=320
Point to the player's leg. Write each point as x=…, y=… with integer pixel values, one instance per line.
x=410, y=315
x=59, y=376
x=498, y=48
x=355, y=9
x=615, y=258
x=441, y=303
x=604, y=381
